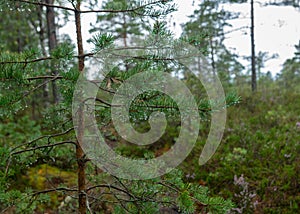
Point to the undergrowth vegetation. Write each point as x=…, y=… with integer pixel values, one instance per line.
x=257, y=163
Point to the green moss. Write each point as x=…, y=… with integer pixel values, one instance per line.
x=41, y=176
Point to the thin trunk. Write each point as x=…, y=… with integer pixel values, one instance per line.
x=79, y=38
x=199, y=65
x=33, y=111
x=42, y=30
x=212, y=54
x=19, y=37
x=42, y=40
x=51, y=25
x=125, y=37
x=51, y=28
x=253, y=63
x=125, y=30
x=82, y=200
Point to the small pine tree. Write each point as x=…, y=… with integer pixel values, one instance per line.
x=55, y=143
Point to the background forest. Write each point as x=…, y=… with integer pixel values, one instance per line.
x=43, y=168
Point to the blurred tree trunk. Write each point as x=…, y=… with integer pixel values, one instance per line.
x=19, y=39
x=41, y=34
x=212, y=55
x=52, y=42
x=253, y=63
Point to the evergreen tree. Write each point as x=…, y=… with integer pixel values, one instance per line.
x=52, y=141
x=17, y=29
x=290, y=73
x=294, y=3
x=121, y=25
x=206, y=26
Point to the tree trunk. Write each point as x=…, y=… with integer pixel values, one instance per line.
x=212, y=55
x=52, y=42
x=253, y=63
x=79, y=38
x=42, y=40
x=19, y=36
x=81, y=161
x=125, y=30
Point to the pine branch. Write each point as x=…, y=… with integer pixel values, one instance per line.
x=26, y=61
x=60, y=134
x=109, y=186
x=43, y=59
x=55, y=190
x=122, y=11
x=32, y=149
x=42, y=147
x=47, y=5
x=44, y=77
x=176, y=189
x=42, y=137
x=29, y=92
x=92, y=11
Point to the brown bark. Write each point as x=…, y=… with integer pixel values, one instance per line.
x=82, y=200
x=79, y=38
x=51, y=25
x=52, y=42
x=81, y=163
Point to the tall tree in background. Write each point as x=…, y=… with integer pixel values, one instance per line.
x=206, y=26
x=52, y=43
x=16, y=33
x=23, y=29
x=289, y=76
x=208, y=22
x=253, y=63
x=121, y=25
x=294, y=3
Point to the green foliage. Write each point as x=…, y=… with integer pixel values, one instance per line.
x=30, y=153
x=14, y=66
x=154, y=196
x=290, y=75
x=17, y=29
x=132, y=24
x=294, y=3
x=101, y=41
x=262, y=144
x=63, y=51
x=256, y=166
x=205, y=30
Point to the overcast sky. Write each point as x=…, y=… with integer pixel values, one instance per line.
x=277, y=29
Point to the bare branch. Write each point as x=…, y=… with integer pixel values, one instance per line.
x=26, y=61
x=109, y=186
x=43, y=77
x=42, y=147
x=54, y=190
x=43, y=59
x=91, y=11
x=47, y=5
x=60, y=134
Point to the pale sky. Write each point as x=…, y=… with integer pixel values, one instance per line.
x=277, y=30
